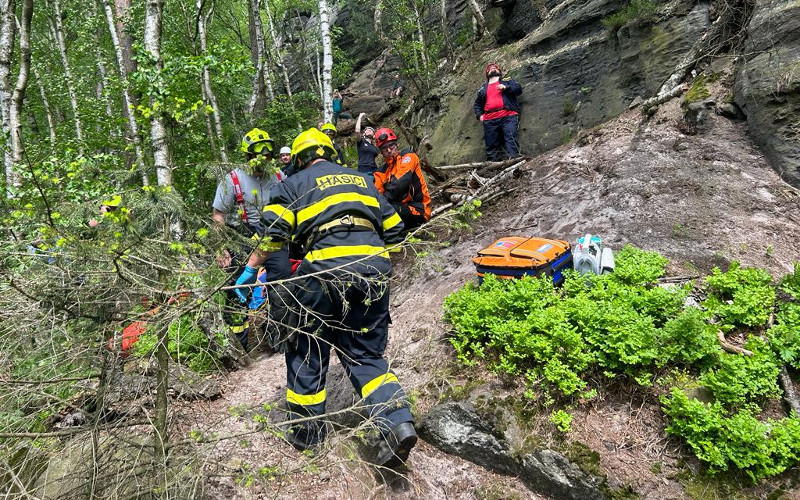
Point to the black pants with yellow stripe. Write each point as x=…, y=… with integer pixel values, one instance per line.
x=354, y=323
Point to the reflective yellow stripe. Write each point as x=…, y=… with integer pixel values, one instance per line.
x=305, y=400
x=239, y=328
x=266, y=244
x=343, y=251
x=317, y=208
x=372, y=385
x=282, y=212
x=391, y=222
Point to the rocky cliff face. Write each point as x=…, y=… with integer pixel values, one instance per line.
x=576, y=73
x=768, y=84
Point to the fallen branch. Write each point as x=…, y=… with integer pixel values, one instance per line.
x=481, y=164
x=727, y=346
x=483, y=193
x=789, y=394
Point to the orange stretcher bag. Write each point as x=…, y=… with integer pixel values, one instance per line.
x=517, y=256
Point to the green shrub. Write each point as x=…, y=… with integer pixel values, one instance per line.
x=620, y=323
x=784, y=336
x=740, y=296
x=188, y=344
x=790, y=283
x=737, y=440
x=635, y=266
x=741, y=379
x=688, y=338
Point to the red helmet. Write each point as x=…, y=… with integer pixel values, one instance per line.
x=384, y=135
x=491, y=66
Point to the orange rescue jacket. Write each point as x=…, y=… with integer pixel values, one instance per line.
x=402, y=182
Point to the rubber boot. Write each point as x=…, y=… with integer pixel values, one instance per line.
x=395, y=446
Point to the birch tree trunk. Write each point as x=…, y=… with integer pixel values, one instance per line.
x=327, y=61
x=158, y=131
x=7, y=36
x=15, y=110
x=278, y=45
x=209, y=92
x=47, y=112
x=102, y=83
x=70, y=83
x=421, y=40
x=480, y=22
x=258, y=98
x=127, y=102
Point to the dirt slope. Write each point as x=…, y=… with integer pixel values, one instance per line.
x=701, y=200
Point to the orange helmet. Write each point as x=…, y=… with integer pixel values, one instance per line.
x=491, y=66
x=384, y=135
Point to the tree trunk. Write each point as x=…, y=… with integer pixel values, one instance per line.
x=15, y=110
x=127, y=101
x=69, y=82
x=209, y=126
x=47, y=112
x=258, y=98
x=158, y=131
x=448, y=40
x=102, y=82
x=480, y=22
x=7, y=36
x=327, y=61
x=209, y=92
x=278, y=45
x=421, y=39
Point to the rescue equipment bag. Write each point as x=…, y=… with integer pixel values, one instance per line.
x=517, y=256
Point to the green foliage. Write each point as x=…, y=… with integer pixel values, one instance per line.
x=636, y=12
x=741, y=379
x=784, y=336
x=562, y=420
x=620, y=324
x=790, y=283
x=740, y=296
x=188, y=345
x=638, y=267
x=726, y=440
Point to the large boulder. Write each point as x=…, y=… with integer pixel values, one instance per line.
x=457, y=428
x=767, y=87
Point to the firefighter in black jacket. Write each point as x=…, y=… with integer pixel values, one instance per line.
x=340, y=296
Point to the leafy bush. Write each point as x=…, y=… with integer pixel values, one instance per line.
x=784, y=336
x=790, y=283
x=741, y=379
x=635, y=266
x=740, y=296
x=620, y=323
x=188, y=344
x=724, y=440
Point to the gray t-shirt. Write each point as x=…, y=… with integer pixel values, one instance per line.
x=255, y=191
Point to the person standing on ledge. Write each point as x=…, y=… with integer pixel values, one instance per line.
x=497, y=107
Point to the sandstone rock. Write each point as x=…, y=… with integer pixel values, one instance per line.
x=456, y=428
x=767, y=88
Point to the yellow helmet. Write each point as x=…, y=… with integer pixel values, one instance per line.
x=310, y=145
x=112, y=202
x=329, y=126
x=255, y=141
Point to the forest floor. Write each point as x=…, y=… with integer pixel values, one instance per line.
x=701, y=200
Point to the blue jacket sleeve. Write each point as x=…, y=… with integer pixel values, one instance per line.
x=512, y=87
x=480, y=102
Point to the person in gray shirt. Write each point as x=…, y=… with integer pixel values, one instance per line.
x=240, y=198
